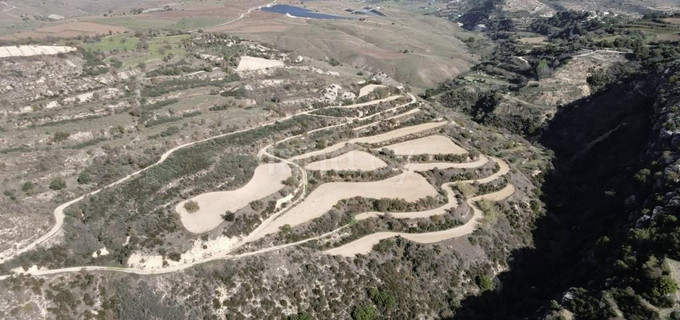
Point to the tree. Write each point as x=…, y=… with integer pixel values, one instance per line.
x=291, y=181
x=57, y=184
x=383, y=299
x=543, y=70
x=300, y=316
x=84, y=178
x=191, y=206
x=383, y=204
x=364, y=311
x=256, y=205
x=228, y=216
x=484, y=283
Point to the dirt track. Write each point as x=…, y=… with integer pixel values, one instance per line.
x=305, y=208
x=401, y=132
x=365, y=244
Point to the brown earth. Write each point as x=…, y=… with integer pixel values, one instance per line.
x=67, y=30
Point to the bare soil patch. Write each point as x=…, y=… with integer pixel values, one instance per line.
x=365, y=90
x=408, y=186
x=212, y=205
x=248, y=63
x=353, y=160
x=534, y=40
x=435, y=144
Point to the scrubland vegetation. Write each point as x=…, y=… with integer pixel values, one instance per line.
x=590, y=235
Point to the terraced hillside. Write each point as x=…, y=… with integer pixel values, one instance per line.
x=299, y=208
x=168, y=155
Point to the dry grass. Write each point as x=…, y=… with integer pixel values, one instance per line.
x=434, y=53
x=534, y=40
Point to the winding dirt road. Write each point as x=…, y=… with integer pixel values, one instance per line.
x=267, y=225
x=59, y=211
x=365, y=245
x=243, y=15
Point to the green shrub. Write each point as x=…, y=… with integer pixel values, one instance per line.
x=300, y=316
x=364, y=311
x=383, y=299
x=84, y=177
x=484, y=283
x=27, y=187
x=57, y=184
x=229, y=216
x=60, y=136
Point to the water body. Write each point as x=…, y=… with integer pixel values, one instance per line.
x=300, y=12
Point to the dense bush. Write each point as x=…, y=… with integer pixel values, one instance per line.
x=191, y=206
x=57, y=184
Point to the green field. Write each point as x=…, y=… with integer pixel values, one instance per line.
x=112, y=43
x=157, y=48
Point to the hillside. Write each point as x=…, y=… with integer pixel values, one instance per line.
x=499, y=159
x=277, y=185
x=602, y=97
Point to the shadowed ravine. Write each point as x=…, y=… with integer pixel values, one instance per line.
x=599, y=143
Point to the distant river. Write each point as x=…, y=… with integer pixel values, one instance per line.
x=300, y=12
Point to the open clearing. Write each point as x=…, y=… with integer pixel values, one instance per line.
x=365, y=90
x=408, y=186
x=353, y=160
x=248, y=63
x=394, y=134
x=212, y=205
x=534, y=40
x=435, y=144
x=27, y=51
